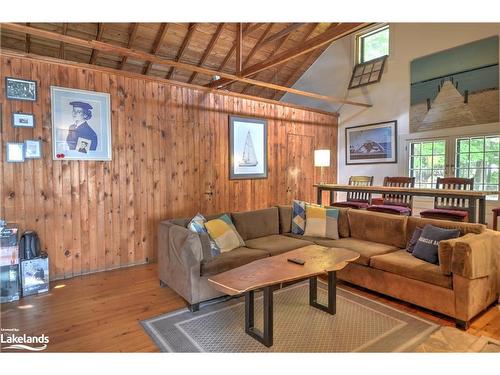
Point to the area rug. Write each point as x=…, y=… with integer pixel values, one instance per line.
x=360, y=325
x=452, y=340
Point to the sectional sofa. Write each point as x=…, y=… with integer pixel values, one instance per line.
x=461, y=286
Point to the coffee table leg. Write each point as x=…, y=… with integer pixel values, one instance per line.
x=265, y=337
x=332, y=293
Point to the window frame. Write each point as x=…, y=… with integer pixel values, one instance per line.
x=367, y=32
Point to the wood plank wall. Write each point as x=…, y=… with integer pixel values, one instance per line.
x=170, y=159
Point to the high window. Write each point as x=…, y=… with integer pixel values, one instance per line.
x=373, y=43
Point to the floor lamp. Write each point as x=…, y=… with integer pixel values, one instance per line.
x=321, y=159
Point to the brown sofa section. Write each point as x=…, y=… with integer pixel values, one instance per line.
x=464, y=283
x=378, y=227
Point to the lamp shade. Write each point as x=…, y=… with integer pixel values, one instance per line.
x=321, y=158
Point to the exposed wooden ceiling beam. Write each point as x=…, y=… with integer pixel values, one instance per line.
x=100, y=31
x=62, y=51
x=239, y=48
x=280, y=34
x=131, y=39
x=258, y=45
x=27, y=40
x=139, y=55
x=157, y=45
x=327, y=37
x=208, y=50
x=182, y=49
x=249, y=28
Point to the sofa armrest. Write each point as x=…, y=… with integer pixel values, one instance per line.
x=473, y=256
x=445, y=252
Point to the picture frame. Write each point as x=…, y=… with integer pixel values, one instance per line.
x=247, y=148
x=20, y=89
x=81, y=124
x=372, y=143
x=367, y=72
x=14, y=152
x=23, y=120
x=32, y=149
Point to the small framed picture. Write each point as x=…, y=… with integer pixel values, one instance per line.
x=15, y=152
x=20, y=89
x=32, y=149
x=23, y=120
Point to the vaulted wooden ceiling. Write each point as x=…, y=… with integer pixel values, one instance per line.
x=240, y=49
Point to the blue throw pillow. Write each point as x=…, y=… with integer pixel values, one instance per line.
x=197, y=225
x=298, y=217
x=428, y=243
x=413, y=241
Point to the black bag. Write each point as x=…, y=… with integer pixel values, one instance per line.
x=29, y=246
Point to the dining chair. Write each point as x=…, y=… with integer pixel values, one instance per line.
x=496, y=213
x=394, y=203
x=357, y=199
x=449, y=208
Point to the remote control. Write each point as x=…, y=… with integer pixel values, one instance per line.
x=296, y=261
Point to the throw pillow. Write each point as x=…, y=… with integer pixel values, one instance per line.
x=298, y=217
x=322, y=222
x=197, y=225
x=428, y=243
x=223, y=232
x=413, y=240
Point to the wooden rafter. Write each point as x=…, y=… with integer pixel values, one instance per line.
x=144, y=56
x=100, y=31
x=258, y=45
x=278, y=45
x=249, y=28
x=208, y=50
x=327, y=37
x=27, y=40
x=157, y=45
x=131, y=39
x=239, y=48
x=182, y=49
x=62, y=51
x=280, y=34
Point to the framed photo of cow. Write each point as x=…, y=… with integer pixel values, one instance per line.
x=81, y=124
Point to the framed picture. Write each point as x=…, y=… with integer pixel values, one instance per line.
x=372, y=143
x=35, y=275
x=32, y=149
x=14, y=152
x=23, y=120
x=247, y=148
x=20, y=89
x=367, y=73
x=81, y=124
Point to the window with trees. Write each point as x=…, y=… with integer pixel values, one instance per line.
x=372, y=44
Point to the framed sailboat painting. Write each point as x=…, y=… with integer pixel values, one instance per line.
x=247, y=148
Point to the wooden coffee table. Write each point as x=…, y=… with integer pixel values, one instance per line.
x=270, y=273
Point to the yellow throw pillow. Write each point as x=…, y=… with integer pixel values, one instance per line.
x=322, y=222
x=223, y=232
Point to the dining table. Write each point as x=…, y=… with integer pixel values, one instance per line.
x=476, y=199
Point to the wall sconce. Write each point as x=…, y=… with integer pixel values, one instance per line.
x=321, y=159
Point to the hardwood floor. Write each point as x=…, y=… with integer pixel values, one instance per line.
x=101, y=312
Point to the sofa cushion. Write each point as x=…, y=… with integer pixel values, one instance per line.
x=414, y=239
x=197, y=225
x=390, y=209
x=464, y=228
x=223, y=232
x=404, y=264
x=298, y=217
x=428, y=243
x=366, y=249
x=277, y=244
x=285, y=215
x=258, y=223
x=440, y=213
x=231, y=259
x=351, y=204
x=378, y=227
x=322, y=222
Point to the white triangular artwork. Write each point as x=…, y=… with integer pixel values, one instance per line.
x=249, y=159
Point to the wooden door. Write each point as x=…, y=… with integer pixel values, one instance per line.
x=300, y=167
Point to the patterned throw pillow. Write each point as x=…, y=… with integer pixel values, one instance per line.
x=223, y=232
x=197, y=225
x=322, y=222
x=428, y=244
x=298, y=217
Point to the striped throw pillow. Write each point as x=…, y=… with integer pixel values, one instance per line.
x=223, y=232
x=322, y=222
